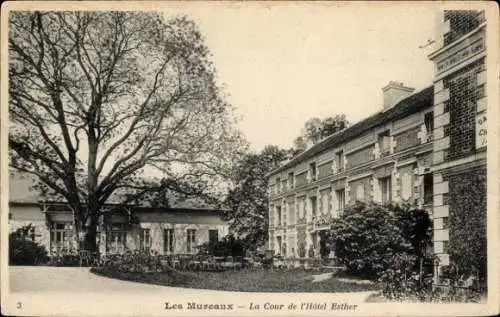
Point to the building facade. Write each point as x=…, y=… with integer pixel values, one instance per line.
x=179, y=229
x=460, y=132
x=426, y=148
x=386, y=157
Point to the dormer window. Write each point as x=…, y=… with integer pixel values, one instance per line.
x=384, y=143
x=312, y=171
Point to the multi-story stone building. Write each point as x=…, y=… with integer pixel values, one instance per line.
x=385, y=157
x=178, y=229
x=459, y=156
x=426, y=148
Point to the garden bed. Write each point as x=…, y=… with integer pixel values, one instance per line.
x=245, y=280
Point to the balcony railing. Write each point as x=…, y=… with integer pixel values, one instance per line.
x=428, y=199
x=429, y=137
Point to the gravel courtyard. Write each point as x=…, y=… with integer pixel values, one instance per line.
x=28, y=279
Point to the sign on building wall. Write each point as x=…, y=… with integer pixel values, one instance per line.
x=481, y=130
x=461, y=55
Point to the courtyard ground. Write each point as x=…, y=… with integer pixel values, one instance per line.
x=64, y=291
x=46, y=279
x=27, y=279
x=247, y=280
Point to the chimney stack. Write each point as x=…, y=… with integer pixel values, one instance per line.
x=394, y=92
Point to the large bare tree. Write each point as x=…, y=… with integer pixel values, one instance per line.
x=96, y=99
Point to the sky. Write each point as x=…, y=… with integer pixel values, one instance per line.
x=282, y=64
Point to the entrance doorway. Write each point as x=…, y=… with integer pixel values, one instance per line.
x=324, y=248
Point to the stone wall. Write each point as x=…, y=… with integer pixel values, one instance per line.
x=325, y=169
x=359, y=157
x=407, y=139
x=461, y=22
x=360, y=189
x=463, y=95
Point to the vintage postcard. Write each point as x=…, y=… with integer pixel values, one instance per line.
x=205, y=158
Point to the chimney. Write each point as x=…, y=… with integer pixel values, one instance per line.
x=394, y=92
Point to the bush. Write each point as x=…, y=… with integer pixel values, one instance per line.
x=368, y=237
x=135, y=261
x=403, y=280
x=467, y=222
x=22, y=250
x=69, y=258
x=228, y=246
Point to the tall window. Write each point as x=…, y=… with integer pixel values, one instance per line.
x=278, y=215
x=312, y=171
x=60, y=236
x=291, y=180
x=385, y=188
x=271, y=216
x=145, y=239
x=191, y=240
x=429, y=125
x=292, y=243
x=314, y=238
x=213, y=236
x=116, y=238
x=291, y=214
x=168, y=240
x=314, y=205
x=284, y=213
x=428, y=188
x=278, y=185
x=279, y=244
x=384, y=142
x=340, y=195
x=340, y=161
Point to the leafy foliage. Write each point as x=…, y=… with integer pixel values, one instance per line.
x=316, y=129
x=67, y=259
x=135, y=261
x=368, y=237
x=23, y=250
x=227, y=246
x=468, y=225
x=96, y=99
x=248, y=199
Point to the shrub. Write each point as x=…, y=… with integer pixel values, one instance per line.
x=135, y=261
x=368, y=237
x=467, y=222
x=22, y=250
x=402, y=280
x=228, y=246
x=68, y=258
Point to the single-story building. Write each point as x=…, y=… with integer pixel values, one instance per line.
x=176, y=229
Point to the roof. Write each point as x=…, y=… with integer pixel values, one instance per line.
x=20, y=188
x=410, y=105
x=21, y=191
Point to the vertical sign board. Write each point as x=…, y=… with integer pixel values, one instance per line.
x=481, y=130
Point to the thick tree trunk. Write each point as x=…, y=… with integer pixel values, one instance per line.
x=90, y=235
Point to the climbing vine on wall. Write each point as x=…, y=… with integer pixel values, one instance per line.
x=467, y=245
